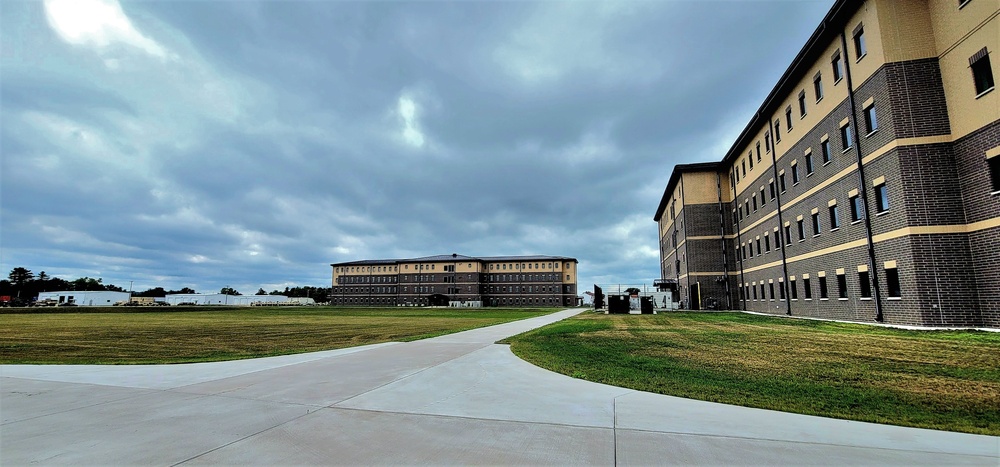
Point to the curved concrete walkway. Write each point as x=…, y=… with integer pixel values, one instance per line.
x=456, y=399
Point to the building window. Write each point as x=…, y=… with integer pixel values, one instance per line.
x=745, y=168
x=824, y=148
x=750, y=244
x=770, y=285
x=767, y=141
x=777, y=239
x=871, y=123
x=982, y=72
x=807, y=289
x=860, y=48
x=763, y=199
x=809, y=164
x=815, y=222
x=758, y=151
x=754, y=291
x=746, y=205
x=771, y=186
x=802, y=104
x=754, y=197
x=818, y=86
x=865, y=283
x=845, y=136
x=802, y=229
x=841, y=285
x=881, y=198
x=795, y=175
x=777, y=131
x=781, y=181
x=822, y=287
x=994, y=163
x=834, y=218
x=788, y=235
x=793, y=290
x=857, y=209
x=892, y=283
x=781, y=290
x=767, y=243
x=759, y=250
x=838, y=71
x=788, y=118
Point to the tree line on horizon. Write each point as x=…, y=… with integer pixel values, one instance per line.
x=25, y=285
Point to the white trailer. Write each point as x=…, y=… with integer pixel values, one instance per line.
x=85, y=297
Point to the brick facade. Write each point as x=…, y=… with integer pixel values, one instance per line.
x=927, y=254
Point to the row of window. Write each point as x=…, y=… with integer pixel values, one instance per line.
x=761, y=291
x=750, y=204
x=857, y=212
x=838, y=74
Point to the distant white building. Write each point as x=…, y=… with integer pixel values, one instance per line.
x=85, y=298
x=248, y=300
x=199, y=298
x=223, y=299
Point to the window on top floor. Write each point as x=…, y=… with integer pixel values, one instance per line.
x=802, y=104
x=758, y=151
x=838, y=68
x=788, y=118
x=777, y=131
x=982, y=71
x=818, y=86
x=860, y=48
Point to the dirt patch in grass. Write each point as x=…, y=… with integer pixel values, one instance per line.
x=933, y=379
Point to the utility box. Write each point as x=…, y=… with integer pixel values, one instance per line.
x=618, y=304
x=646, y=305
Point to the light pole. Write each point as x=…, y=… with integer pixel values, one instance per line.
x=130, y=291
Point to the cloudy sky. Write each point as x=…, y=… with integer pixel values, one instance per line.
x=250, y=144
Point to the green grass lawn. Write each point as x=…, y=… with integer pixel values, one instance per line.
x=198, y=334
x=948, y=380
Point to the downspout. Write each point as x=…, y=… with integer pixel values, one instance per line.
x=872, y=270
x=683, y=204
x=725, y=251
x=739, y=239
x=781, y=219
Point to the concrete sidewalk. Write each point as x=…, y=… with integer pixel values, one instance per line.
x=455, y=399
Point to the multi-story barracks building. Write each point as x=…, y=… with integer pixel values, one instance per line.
x=456, y=280
x=867, y=185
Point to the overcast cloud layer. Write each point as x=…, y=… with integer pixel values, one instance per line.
x=251, y=144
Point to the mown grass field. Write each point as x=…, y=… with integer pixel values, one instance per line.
x=947, y=380
x=199, y=334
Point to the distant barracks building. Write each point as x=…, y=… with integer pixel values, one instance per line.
x=867, y=185
x=456, y=280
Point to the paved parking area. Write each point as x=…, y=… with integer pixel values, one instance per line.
x=455, y=399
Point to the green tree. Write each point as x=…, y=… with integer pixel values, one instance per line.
x=229, y=291
x=632, y=291
x=261, y=291
x=20, y=276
